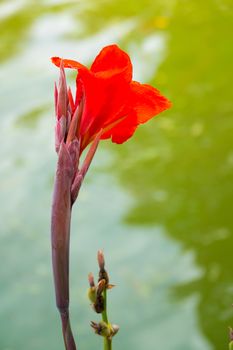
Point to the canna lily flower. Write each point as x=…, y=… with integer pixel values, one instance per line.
x=108, y=104
x=110, y=100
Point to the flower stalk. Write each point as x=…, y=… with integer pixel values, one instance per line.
x=60, y=236
x=107, y=340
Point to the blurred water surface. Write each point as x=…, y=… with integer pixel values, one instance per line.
x=160, y=205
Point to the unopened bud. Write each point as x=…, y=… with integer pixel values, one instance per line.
x=91, y=279
x=103, y=275
x=101, y=328
x=91, y=293
x=100, y=287
x=115, y=329
x=98, y=302
x=104, y=329
x=100, y=258
x=62, y=94
x=98, y=305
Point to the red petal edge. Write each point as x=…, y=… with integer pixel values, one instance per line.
x=112, y=60
x=147, y=101
x=67, y=63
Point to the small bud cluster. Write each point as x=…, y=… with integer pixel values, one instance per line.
x=96, y=294
x=104, y=329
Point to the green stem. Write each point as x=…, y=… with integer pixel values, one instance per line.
x=107, y=344
x=104, y=313
x=107, y=341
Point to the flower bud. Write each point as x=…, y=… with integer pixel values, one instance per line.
x=91, y=293
x=100, y=287
x=103, y=275
x=115, y=329
x=98, y=305
x=102, y=329
x=62, y=97
x=91, y=279
x=100, y=258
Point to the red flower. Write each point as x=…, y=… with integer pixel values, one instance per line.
x=107, y=98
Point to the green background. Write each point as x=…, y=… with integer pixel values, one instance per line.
x=160, y=205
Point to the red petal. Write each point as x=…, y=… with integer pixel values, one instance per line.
x=147, y=101
x=123, y=130
x=104, y=102
x=112, y=60
x=144, y=103
x=67, y=63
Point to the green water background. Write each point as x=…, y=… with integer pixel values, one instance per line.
x=160, y=205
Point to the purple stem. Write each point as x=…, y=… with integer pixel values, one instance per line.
x=60, y=239
x=66, y=189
